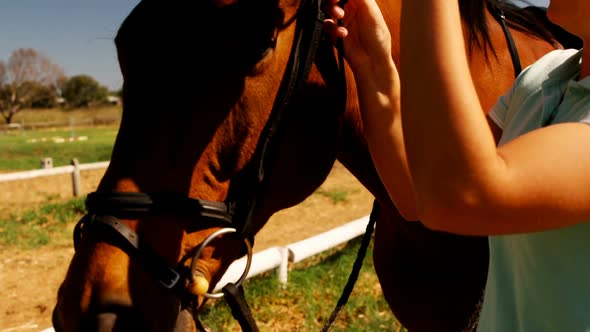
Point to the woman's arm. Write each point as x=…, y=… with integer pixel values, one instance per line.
x=367, y=46
x=379, y=101
x=464, y=184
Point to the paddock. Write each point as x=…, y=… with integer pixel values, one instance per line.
x=27, y=305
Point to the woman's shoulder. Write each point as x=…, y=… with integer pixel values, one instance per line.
x=556, y=65
x=559, y=55
x=536, y=93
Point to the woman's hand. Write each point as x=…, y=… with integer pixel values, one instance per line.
x=367, y=40
x=367, y=48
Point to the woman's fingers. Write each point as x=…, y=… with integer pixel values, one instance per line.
x=334, y=30
x=334, y=11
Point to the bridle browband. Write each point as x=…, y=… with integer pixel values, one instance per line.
x=106, y=209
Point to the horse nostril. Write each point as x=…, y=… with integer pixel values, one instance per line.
x=105, y=322
x=115, y=321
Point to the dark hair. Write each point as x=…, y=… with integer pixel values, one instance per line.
x=530, y=20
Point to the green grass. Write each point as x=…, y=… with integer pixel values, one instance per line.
x=336, y=195
x=312, y=291
x=24, y=150
x=50, y=224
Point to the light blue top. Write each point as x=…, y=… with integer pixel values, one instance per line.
x=528, y=3
x=540, y=282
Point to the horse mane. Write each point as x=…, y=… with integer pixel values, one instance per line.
x=530, y=20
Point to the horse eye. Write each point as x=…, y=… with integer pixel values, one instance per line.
x=224, y=3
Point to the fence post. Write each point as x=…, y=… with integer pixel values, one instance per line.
x=46, y=163
x=283, y=270
x=76, y=178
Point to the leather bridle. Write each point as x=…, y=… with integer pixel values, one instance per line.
x=106, y=209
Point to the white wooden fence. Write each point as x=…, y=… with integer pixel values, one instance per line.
x=15, y=176
x=280, y=257
x=269, y=259
x=73, y=169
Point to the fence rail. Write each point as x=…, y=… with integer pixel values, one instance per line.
x=73, y=169
x=15, y=176
x=95, y=121
x=280, y=257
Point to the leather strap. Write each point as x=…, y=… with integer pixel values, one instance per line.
x=308, y=35
x=128, y=241
x=240, y=309
x=511, y=45
x=356, y=269
x=133, y=204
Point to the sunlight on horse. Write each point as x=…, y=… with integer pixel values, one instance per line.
x=200, y=81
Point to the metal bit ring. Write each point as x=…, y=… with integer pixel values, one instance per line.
x=205, y=243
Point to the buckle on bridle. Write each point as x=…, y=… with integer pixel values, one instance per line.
x=172, y=281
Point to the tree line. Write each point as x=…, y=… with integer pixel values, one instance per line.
x=30, y=80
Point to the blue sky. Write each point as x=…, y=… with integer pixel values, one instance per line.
x=78, y=35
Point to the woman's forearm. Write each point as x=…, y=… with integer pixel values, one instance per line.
x=379, y=98
x=451, y=151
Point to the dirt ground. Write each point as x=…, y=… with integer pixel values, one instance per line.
x=30, y=278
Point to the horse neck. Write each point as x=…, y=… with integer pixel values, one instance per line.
x=491, y=65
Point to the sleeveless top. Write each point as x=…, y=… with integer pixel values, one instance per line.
x=528, y=3
x=541, y=281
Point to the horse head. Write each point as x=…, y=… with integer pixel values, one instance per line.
x=200, y=84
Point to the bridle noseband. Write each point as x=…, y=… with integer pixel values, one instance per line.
x=105, y=211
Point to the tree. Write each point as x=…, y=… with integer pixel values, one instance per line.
x=44, y=96
x=83, y=91
x=2, y=73
x=26, y=79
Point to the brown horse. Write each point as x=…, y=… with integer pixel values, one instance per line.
x=200, y=81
